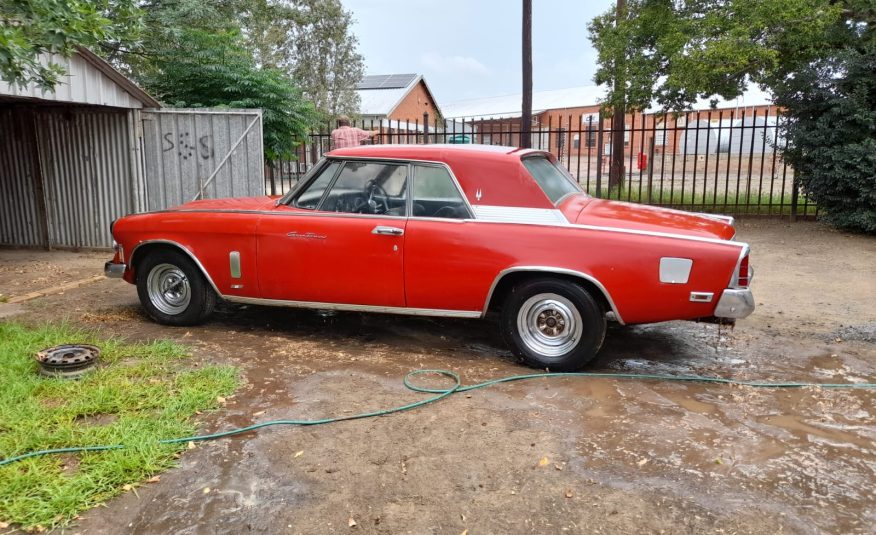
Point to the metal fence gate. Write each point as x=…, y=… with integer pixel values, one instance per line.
x=201, y=153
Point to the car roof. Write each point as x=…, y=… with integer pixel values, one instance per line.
x=487, y=174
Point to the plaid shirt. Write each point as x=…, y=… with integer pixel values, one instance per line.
x=346, y=136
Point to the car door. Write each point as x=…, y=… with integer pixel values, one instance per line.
x=450, y=260
x=340, y=239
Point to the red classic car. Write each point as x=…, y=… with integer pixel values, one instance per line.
x=442, y=230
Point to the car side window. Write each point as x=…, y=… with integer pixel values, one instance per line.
x=310, y=197
x=436, y=195
x=369, y=188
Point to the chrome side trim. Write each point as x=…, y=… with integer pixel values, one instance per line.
x=542, y=224
x=356, y=308
x=186, y=251
x=660, y=234
x=549, y=269
x=234, y=264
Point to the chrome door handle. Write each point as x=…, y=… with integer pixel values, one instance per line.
x=389, y=231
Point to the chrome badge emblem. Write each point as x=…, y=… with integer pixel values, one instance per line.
x=478, y=194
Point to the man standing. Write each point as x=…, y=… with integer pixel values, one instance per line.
x=347, y=136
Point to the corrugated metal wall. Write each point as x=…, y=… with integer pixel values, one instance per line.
x=86, y=165
x=19, y=219
x=183, y=147
x=86, y=174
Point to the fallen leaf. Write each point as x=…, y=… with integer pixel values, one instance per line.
x=351, y=522
x=258, y=413
x=191, y=445
x=220, y=399
x=643, y=462
x=127, y=487
x=206, y=490
x=559, y=466
x=4, y=525
x=464, y=532
x=298, y=454
x=153, y=479
x=543, y=461
x=568, y=493
x=719, y=461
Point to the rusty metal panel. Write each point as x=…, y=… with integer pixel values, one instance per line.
x=185, y=150
x=85, y=158
x=19, y=217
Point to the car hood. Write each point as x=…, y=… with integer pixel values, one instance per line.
x=626, y=215
x=240, y=203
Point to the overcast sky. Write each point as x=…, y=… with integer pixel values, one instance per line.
x=471, y=48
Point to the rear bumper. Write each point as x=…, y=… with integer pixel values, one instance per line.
x=735, y=304
x=113, y=270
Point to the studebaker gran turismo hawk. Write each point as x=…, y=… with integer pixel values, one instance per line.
x=442, y=230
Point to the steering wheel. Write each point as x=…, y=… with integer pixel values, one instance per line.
x=375, y=206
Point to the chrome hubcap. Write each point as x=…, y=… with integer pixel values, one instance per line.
x=549, y=324
x=168, y=289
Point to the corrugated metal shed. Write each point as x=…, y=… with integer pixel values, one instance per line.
x=69, y=158
x=89, y=80
x=509, y=106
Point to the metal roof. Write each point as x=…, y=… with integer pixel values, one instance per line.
x=508, y=106
x=89, y=80
x=752, y=96
x=386, y=81
x=380, y=94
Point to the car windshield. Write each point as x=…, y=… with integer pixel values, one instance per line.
x=552, y=179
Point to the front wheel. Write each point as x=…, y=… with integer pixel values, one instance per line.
x=172, y=289
x=553, y=323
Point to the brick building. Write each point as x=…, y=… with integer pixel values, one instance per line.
x=567, y=120
x=391, y=99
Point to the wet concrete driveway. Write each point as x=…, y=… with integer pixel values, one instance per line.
x=560, y=455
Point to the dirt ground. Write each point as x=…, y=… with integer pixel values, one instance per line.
x=623, y=456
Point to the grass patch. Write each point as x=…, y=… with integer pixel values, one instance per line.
x=141, y=393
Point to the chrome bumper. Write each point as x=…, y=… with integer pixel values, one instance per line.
x=735, y=304
x=114, y=271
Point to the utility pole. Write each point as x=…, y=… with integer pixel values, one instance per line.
x=526, y=115
x=616, y=170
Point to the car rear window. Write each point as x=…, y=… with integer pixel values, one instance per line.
x=552, y=180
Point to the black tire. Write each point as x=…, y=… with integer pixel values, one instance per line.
x=179, y=275
x=553, y=323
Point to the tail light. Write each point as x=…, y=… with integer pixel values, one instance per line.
x=743, y=277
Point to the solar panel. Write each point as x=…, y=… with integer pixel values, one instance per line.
x=386, y=81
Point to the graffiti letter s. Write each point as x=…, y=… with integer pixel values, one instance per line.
x=166, y=137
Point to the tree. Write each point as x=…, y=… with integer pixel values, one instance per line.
x=31, y=30
x=813, y=55
x=214, y=69
x=311, y=41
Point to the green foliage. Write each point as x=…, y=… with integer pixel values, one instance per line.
x=200, y=68
x=142, y=393
x=832, y=129
x=311, y=41
x=32, y=28
x=815, y=56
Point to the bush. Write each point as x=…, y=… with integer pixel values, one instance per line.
x=832, y=135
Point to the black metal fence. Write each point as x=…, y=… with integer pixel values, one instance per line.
x=723, y=161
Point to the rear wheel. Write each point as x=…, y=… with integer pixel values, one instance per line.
x=172, y=289
x=553, y=323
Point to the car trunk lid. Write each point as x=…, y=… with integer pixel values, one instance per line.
x=604, y=213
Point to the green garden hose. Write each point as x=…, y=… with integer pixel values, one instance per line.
x=441, y=393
